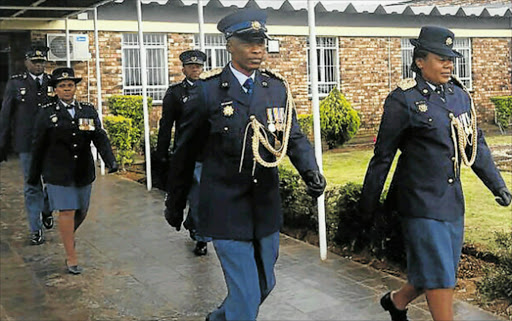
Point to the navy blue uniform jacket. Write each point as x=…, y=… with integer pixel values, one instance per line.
x=417, y=122
x=62, y=145
x=21, y=103
x=233, y=205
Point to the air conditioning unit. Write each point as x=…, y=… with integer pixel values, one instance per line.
x=78, y=47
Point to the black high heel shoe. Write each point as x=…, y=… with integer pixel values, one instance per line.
x=73, y=269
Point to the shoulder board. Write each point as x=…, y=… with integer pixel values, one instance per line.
x=457, y=82
x=210, y=74
x=86, y=104
x=271, y=74
x=53, y=103
x=407, y=83
x=19, y=76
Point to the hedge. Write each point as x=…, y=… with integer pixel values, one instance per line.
x=131, y=107
x=503, y=105
x=122, y=136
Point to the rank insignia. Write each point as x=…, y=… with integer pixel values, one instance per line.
x=425, y=91
x=184, y=99
x=23, y=91
x=225, y=84
x=422, y=106
x=86, y=124
x=264, y=83
x=54, y=118
x=228, y=109
x=50, y=89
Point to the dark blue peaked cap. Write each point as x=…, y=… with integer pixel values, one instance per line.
x=36, y=53
x=436, y=39
x=193, y=57
x=245, y=23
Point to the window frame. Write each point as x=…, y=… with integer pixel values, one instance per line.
x=321, y=48
x=212, y=42
x=133, y=44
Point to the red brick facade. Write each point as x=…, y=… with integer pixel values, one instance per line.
x=369, y=68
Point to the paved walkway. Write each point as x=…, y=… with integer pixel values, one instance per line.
x=137, y=268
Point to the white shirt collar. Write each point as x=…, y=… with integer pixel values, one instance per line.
x=36, y=77
x=189, y=82
x=240, y=76
x=73, y=103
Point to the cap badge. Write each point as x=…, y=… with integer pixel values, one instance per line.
x=38, y=53
x=256, y=25
x=193, y=59
x=228, y=109
x=65, y=75
x=449, y=41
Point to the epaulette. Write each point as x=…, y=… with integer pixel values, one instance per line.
x=456, y=81
x=17, y=76
x=407, y=83
x=210, y=74
x=85, y=104
x=53, y=103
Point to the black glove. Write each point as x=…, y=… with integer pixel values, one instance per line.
x=173, y=217
x=3, y=154
x=315, y=183
x=503, y=196
x=113, y=168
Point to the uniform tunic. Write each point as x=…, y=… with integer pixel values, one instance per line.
x=21, y=102
x=239, y=205
x=61, y=148
x=417, y=121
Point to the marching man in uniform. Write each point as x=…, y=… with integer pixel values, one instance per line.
x=24, y=95
x=243, y=121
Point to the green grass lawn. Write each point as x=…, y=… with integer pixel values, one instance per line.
x=483, y=215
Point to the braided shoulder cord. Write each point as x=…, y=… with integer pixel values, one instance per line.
x=260, y=136
x=462, y=141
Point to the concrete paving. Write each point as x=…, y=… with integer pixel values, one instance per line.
x=138, y=268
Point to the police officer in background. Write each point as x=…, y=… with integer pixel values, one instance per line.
x=64, y=130
x=172, y=108
x=432, y=120
x=24, y=95
x=243, y=121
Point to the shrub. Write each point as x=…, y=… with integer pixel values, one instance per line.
x=497, y=282
x=503, y=105
x=122, y=137
x=131, y=107
x=306, y=124
x=339, y=121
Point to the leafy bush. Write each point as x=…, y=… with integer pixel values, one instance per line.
x=497, y=282
x=380, y=235
x=131, y=107
x=339, y=121
x=306, y=124
x=503, y=105
x=122, y=136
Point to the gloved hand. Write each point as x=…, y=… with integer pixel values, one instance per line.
x=315, y=183
x=173, y=217
x=503, y=196
x=114, y=168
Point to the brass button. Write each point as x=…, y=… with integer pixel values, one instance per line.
x=255, y=181
x=39, y=104
x=451, y=115
x=74, y=134
x=75, y=156
x=226, y=128
x=430, y=119
x=453, y=159
x=450, y=180
x=73, y=122
x=74, y=145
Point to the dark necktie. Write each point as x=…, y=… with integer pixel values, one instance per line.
x=39, y=83
x=440, y=91
x=249, y=85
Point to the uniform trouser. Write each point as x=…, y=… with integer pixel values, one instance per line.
x=36, y=198
x=192, y=221
x=248, y=268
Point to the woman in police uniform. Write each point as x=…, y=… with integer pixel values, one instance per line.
x=61, y=153
x=432, y=120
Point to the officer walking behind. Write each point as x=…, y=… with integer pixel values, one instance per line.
x=432, y=120
x=244, y=122
x=61, y=150
x=24, y=95
x=172, y=108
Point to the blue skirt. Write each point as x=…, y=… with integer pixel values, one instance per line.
x=433, y=251
x=62, y=198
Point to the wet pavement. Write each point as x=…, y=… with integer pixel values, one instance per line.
x=138, y=268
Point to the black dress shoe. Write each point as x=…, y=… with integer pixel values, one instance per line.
x=37, y=238
x=201, y=248
x=47, y=220
x=388, y=305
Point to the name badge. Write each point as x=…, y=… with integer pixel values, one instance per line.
x=86, y=124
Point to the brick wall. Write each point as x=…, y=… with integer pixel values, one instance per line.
x=492, y=73
x=369, y=68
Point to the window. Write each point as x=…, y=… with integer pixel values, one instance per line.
x=327, y=56
x=215, y=50
x=156, y=63
x=462, y=66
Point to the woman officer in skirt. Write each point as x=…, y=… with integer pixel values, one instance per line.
x=62, y=154
x=432, y=120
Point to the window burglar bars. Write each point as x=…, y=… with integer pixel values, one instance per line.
x=215, y=50
x=156, y=56
x=328, y=65
x=462, y=66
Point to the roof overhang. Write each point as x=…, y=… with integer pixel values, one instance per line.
x=46, y=9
